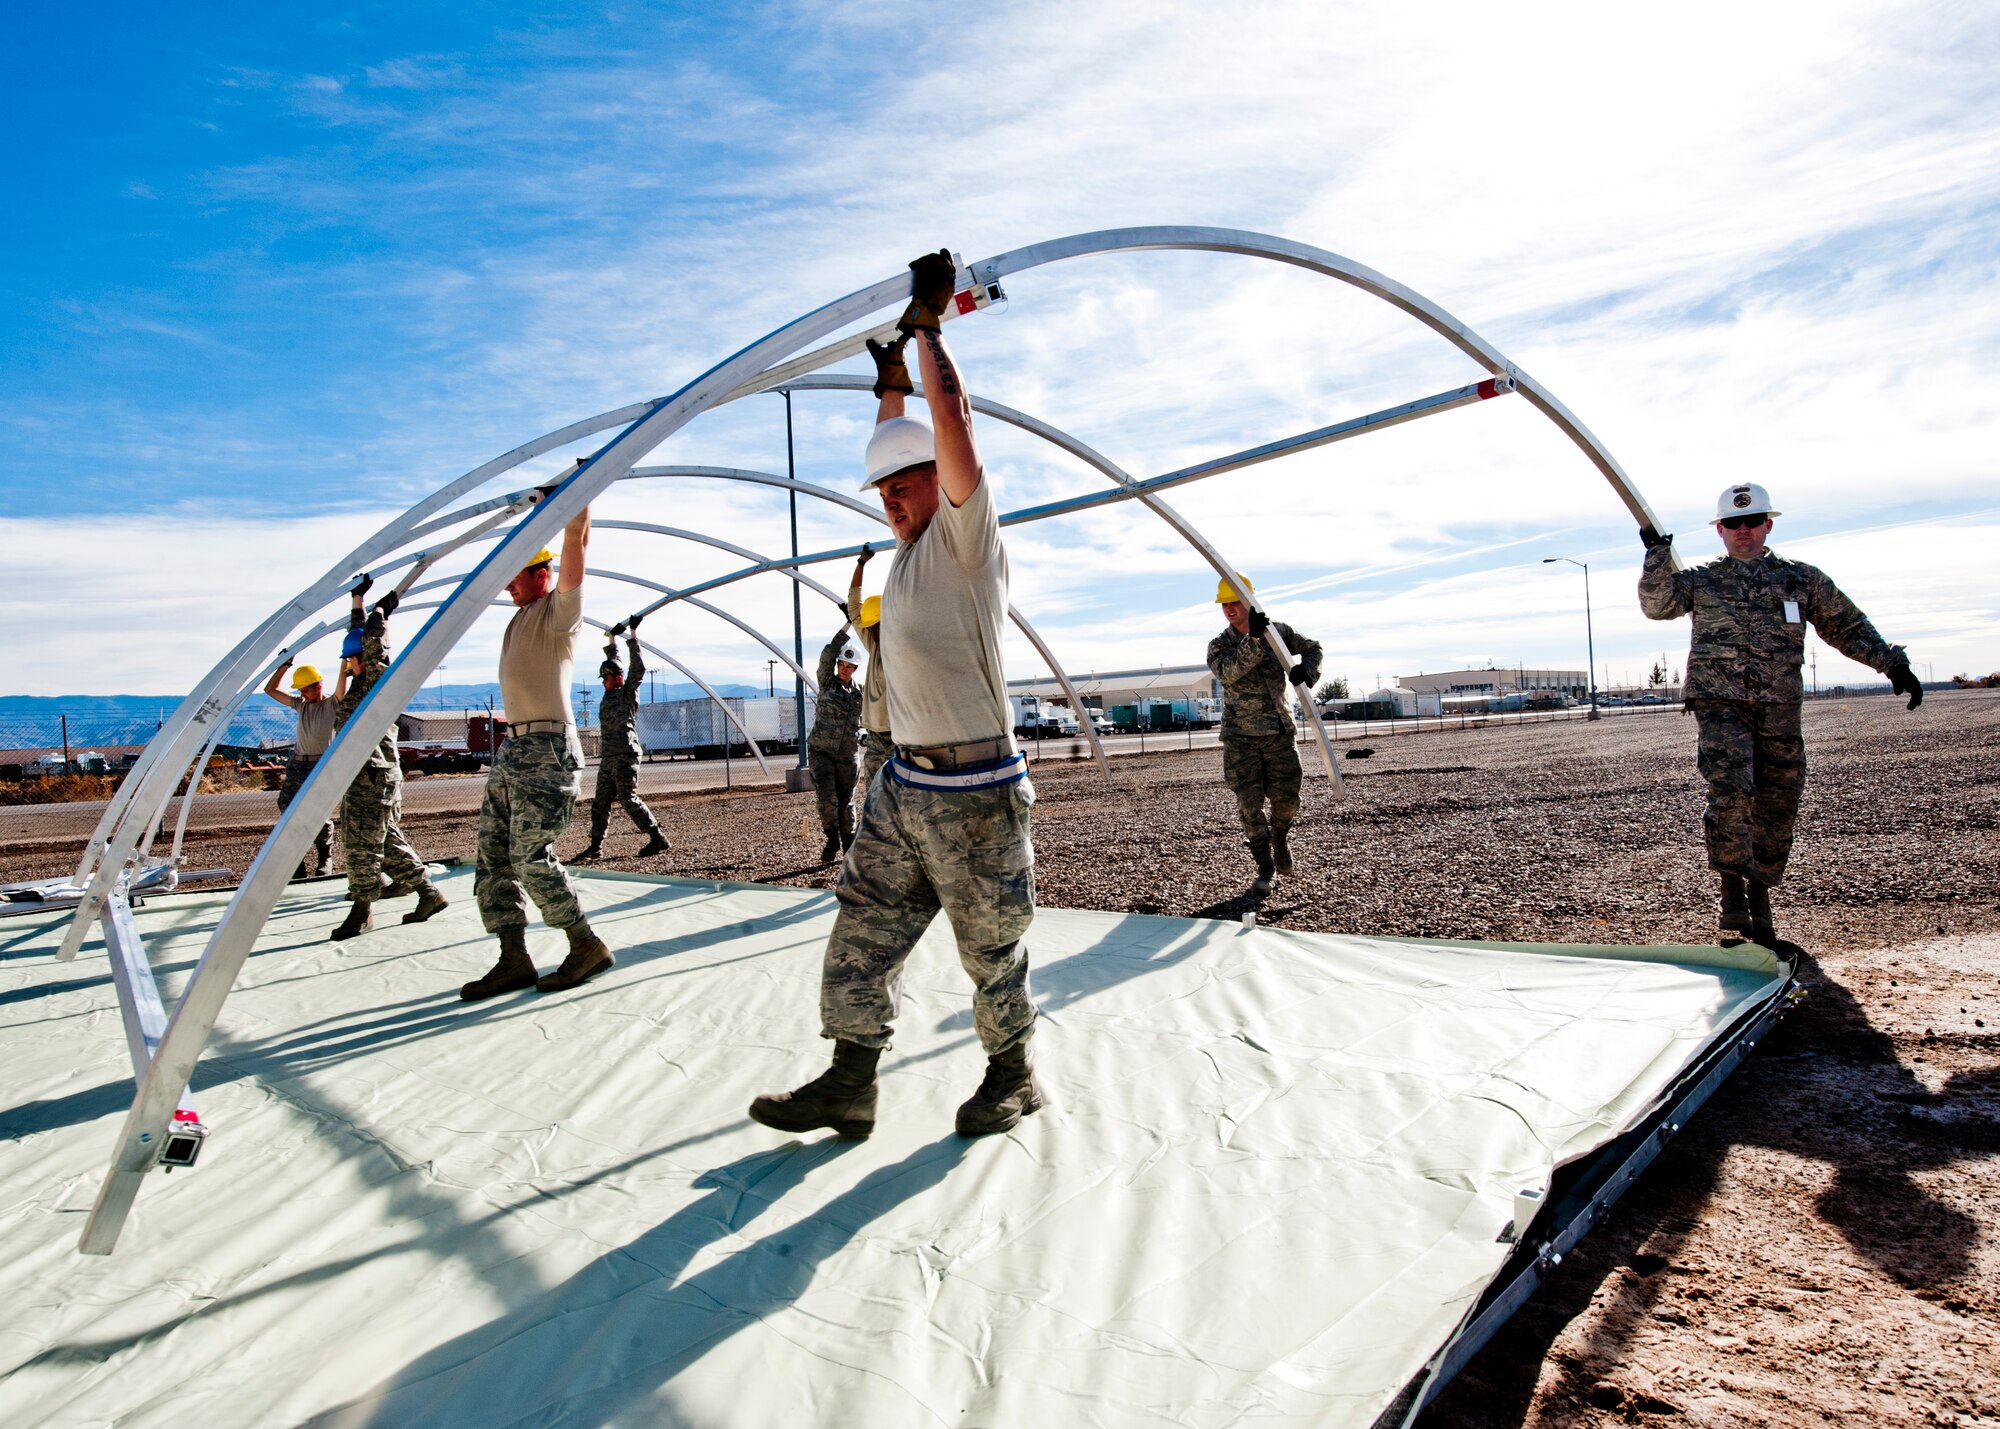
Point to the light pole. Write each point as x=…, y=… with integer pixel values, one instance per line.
x=771, y=678
x=440, y=674
x=798, y=778
x=1590, y=639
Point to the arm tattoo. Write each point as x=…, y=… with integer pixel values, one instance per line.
x=947, y=377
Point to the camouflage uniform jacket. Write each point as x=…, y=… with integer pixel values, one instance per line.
x=615, y=731
x=374, y=660
x=1256, y=696
x=1743, y=647
x=838, y=710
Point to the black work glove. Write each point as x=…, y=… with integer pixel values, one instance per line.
x=360, y=587
x=1652, y=539
x=388, y=603
x=1905, y=683
x=1300, y=677
x=847, y=613
x=892, y=371
x=615, y=631
x=632, y=625
x=1259, y=623
x=932, y=277
x=867, y=554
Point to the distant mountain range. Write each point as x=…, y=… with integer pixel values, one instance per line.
x=38, y=721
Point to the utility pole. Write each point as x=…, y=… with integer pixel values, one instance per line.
x=771, y=678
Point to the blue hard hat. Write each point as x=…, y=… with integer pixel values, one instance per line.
x=352, y=644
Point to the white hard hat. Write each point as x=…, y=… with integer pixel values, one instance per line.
x=849, y=655
x=1746, y=499
x=898, y=444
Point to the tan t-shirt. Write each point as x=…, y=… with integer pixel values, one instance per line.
x=942, y=613
x=537, y=655
x=315, y=728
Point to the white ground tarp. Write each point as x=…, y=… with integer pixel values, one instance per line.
x=1268, y=1186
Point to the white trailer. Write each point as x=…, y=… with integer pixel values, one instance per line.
x=699, y=729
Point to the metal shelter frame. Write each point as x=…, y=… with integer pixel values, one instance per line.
x=165, y=1046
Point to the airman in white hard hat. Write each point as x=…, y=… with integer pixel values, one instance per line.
x=1750, y=608
x=944, y=826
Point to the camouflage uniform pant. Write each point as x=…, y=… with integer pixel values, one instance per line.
x=916, y=851
x=833, y=787
x=296, y=770
x=618, y=783
x=371, y=835
x=530, y=794
x=1753, y=756
x=875, y=752
x=1257, y=767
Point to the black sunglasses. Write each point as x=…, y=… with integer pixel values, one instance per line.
x=1745, y=523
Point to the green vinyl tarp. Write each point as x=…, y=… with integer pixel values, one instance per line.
x=1271, y=1180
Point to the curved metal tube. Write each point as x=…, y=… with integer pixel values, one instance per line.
x=140, y=796
x=1084, y=726
x=1183, y=527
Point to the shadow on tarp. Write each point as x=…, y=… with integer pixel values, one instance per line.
x=317, y=1046
x=631, y=1312
x=510, y=1276
x=1876, y=1202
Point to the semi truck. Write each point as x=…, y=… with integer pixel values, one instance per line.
x=698, y=729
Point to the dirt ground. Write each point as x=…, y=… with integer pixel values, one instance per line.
x=1822, y=1244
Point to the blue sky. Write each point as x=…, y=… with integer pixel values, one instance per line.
x=272, y=277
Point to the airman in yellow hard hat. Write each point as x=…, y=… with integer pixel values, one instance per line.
x=876, y=745
x=531, y=790
x=1260, y=755
x=315, y=711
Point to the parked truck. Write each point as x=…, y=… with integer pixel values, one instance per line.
x=1036, y=718
x=698, y=729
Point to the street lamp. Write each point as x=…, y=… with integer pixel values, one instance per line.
x=440, y=675
x=771, y=678
x=1590, y=640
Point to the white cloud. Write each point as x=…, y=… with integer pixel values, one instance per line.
x=1768, y=257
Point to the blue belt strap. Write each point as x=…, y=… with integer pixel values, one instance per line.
x=991, y=775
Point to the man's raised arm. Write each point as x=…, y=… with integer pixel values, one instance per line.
x=576, y=541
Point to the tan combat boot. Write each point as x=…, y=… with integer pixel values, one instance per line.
x=1008, y=1093
x=1267, y=871
x=430, y=903
x=1762, y=929
x=588, y=956
x=841, y=1098
x=514, y=971
x=356, y=923
x=1733, y=921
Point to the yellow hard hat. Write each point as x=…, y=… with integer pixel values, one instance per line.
x=871, y=612
x=543, y=557
x=305, y=677
x=1225, y=592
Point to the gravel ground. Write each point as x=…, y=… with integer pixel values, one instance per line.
x=1819, y=1246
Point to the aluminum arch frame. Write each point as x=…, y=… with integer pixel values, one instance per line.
x=762, y=365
